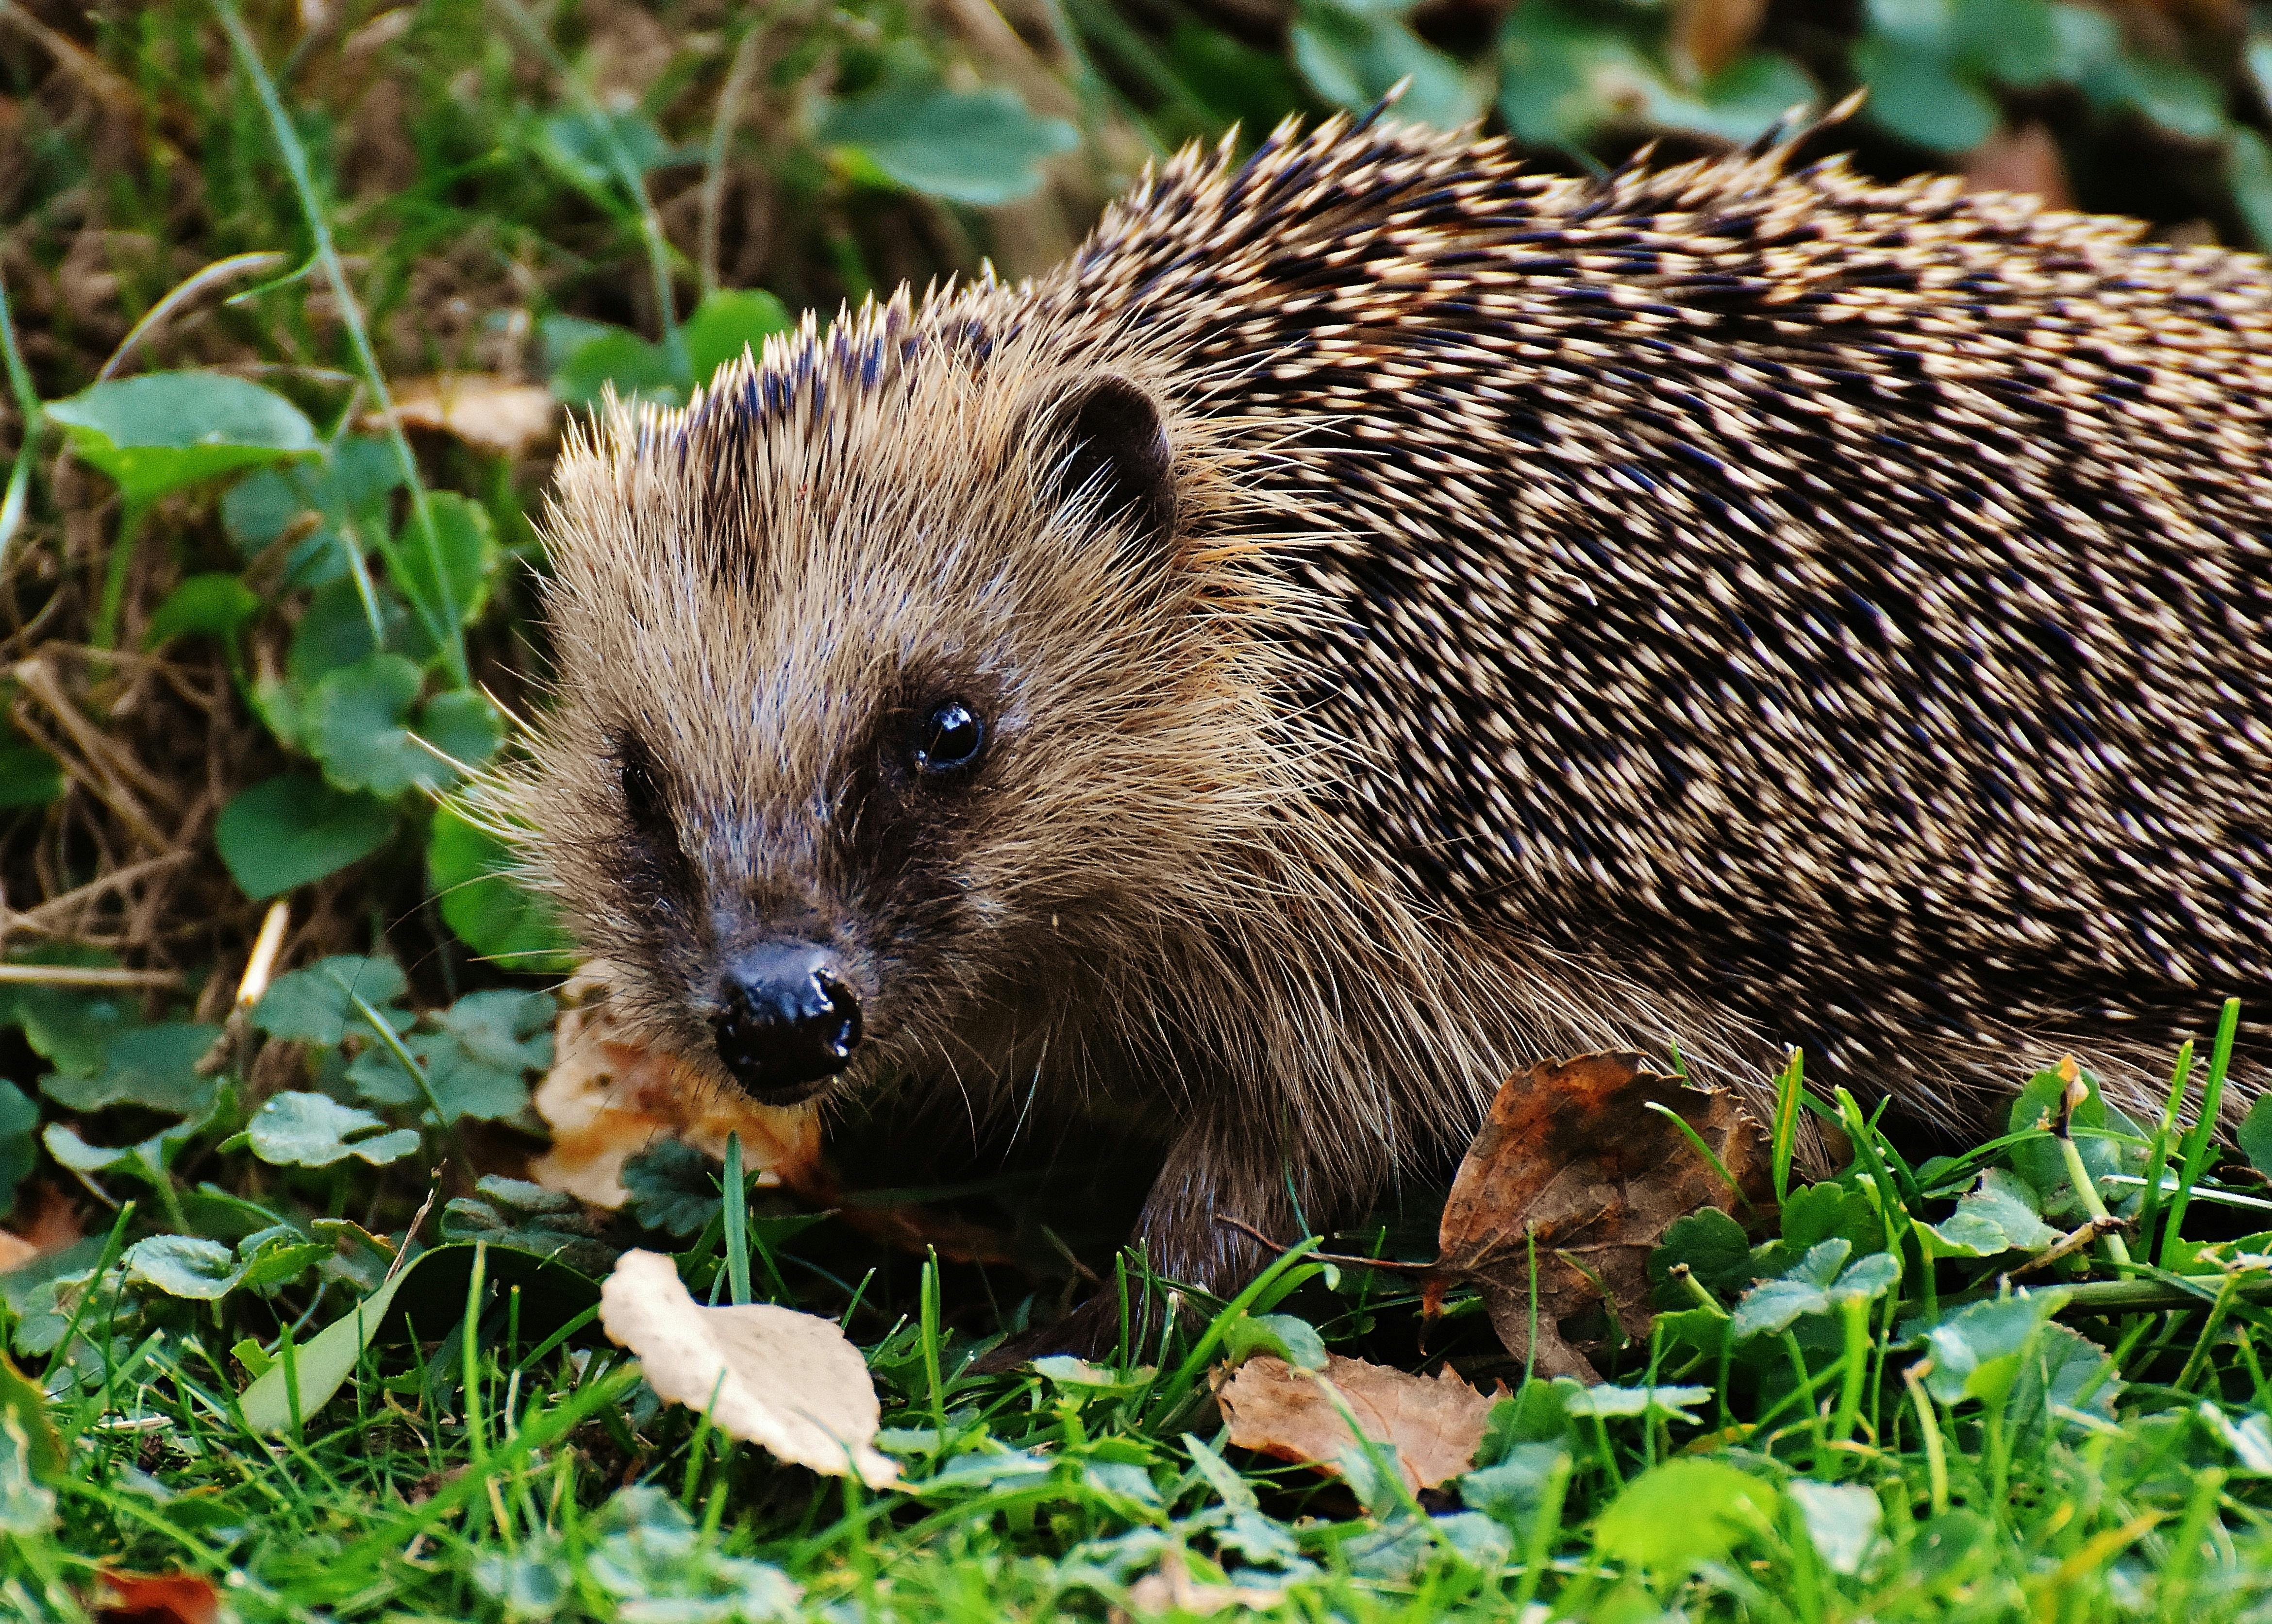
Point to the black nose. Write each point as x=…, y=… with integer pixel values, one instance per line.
x=785, y=1023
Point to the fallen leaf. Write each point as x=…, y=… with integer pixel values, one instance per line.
x=606, y=1099
x=1170, y=1587
x=1709, y=34
x=1573, y=1160
x=785, y=1380
x=52, y=1224
x=2025, y=159
x=1432, y=1425
x=489, y=412
x=158, y=1598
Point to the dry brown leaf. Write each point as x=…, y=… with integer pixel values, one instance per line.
x=1171, y=1589
x=606, y=1100
x=46, y=1222
x=489, y=412
x=1572, y=1158
x=157, y=1599
x=2026, y=159
x=1433, y=1425
x=1709, y=34
x=786, y=1382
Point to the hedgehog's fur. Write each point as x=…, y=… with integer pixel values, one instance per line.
x=1713, y=603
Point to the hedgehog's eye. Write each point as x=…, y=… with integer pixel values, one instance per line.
x=645, y=806
x=949, y=738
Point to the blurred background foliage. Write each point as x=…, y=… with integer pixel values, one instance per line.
x=237, y=605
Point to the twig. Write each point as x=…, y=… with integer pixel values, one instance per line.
x=42, y=917
x=1349, y=1258
x=87, y=976
x=735, y=91
x=2104, y=1223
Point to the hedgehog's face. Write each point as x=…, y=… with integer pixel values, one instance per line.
x=876, y=737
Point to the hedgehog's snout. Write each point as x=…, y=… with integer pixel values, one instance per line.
x=787, y=1021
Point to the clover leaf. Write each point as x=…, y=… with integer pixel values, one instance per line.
x=318, y=1004
x=151, y=1067
x=1818, y=1283
x=162, y=432
x=313, y=1130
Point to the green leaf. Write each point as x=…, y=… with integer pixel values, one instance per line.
x=1235, y=81
x=185, y=1266
x=1678, y=1516
x=162, y=432
x=1562, y=75
x=2254, y=1135
x=1919, y=25
x=70, y=1026
x=2058, y=1369
x=1715, y=1248
x=1918, y=95
x=652, y=1559
x=24, y=1402
x=318, y=1004
x=333, y=633
x=28, y=1510
x=532, y=1581
x=212, y=605
x=294, y=830
x=728, y=322
x=2089, y=43
x=577, y=144
x=1999, y=1214
x=1977, y=1352
x=492, y=913
x=314, y=1130
x=615, y=357
x=1813, y=1214
x=1353, y=57
x=476, y=1064
x=2176, y=98
x=29, y=776
x=335, y=507
x=673, y=1187
x=276, y=1257
x=1816, y=1283
x=153, y=1068
x=1605, y=1402
x=528, y=1217
x=1511, y=1492
x=2248, y=171
x=1746, y=99
x=2015, y=42
x=464, y=727
x=357, y=726
x=981, y=147
x=1292, y=1340
x=1842, y=1522
x=469, y=558
x=19, y=1144
x=2039, y=1160
x=320, y=1366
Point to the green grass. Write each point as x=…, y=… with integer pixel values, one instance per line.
x=225, y=607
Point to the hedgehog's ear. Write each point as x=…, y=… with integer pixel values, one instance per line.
x=1100, y=437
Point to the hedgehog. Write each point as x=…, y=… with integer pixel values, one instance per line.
x=1381, y=615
